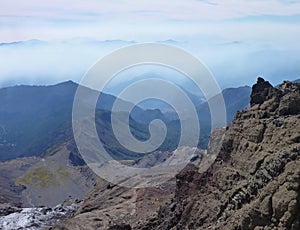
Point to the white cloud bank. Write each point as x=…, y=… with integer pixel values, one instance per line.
x=237, y=39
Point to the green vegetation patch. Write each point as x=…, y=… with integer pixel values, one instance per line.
x=44, y=177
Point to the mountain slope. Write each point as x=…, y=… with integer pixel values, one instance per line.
x=236, y=99
x=255, y=181
x=48, y=181
x=36, y=118
x=31, y=117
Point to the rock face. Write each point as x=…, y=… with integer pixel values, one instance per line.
x=255, y=181
x=261, y=91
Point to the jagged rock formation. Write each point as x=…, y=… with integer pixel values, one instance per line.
x=255, y=180
x=261, y=91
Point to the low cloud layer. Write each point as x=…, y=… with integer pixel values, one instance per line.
x=233, y=63
x=49, y=42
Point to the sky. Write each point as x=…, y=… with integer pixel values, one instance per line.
x=45, y=42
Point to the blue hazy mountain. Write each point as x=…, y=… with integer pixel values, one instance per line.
x=298, y=80
x=36, y=118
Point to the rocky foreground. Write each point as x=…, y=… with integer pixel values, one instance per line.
x=12, y=218
x=254, y=182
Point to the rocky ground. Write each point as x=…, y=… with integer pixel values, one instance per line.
x=12, y=218
x=113, y=207
x=36, y=192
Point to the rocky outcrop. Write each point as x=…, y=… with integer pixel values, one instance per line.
x=261, y=91
x=255, y=181
x=283, y=100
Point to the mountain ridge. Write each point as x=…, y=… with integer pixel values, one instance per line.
x=34, y=118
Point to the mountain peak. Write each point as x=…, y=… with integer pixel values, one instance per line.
x=69, y=82
x=261, y=91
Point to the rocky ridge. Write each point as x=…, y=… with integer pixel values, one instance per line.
x=255, y=181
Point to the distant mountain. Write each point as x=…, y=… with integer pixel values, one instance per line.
x=154, y=104
x=36, y=118
x=31, y=42
x=236, y=99
x=297, y=81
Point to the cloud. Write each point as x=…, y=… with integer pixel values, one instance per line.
x=208, y=26
x=57, y=19
x=143, y=9
x=233, y=63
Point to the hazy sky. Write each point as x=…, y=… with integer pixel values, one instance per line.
x=145, y=19
x=237, y=39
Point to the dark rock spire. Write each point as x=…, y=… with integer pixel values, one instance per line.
x=261, y=91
